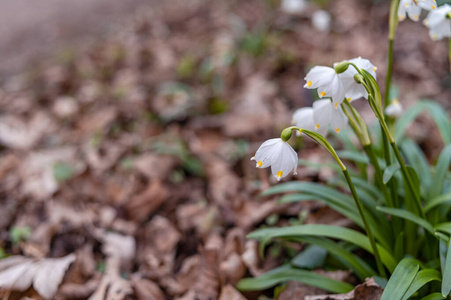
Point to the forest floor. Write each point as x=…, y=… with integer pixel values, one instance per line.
x=126, y=158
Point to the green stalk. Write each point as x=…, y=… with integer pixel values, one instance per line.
x=449, y=53
x=393, y=23
x=378, y=174
x=359, y=205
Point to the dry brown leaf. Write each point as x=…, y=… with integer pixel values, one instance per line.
x=45, y=274
x=118, y=245
x=77, y=291
x=141, y=206
x=17, y=134
x=369, y=290
x=146, y=289
x=230, y=293
x=154, y=165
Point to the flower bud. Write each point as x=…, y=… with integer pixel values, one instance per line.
x=341, y=67
x=358, y=78
x=286, y=134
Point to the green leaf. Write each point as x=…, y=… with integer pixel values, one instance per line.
x=441, y=168
x=433, y=296
x=353, y=262
x=401, y=279
x=354, y=156
x=402, y=213
x=418, y=161
x=310, y=258
x=339, y=233
x=442, y=199
x=437, y=113
x=389, y=172
x=446, y=282
x=445, y=227
x=340, y=202
x=296, y=198
x=286, y=273
x=422, y=277
x=62, y=172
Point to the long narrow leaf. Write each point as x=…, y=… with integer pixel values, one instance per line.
x=446, y=283
x=442, y=199
x=433, y=296
x=423, y=277
x=441, y=168
x=401, y=279
x=335, y=232
x=359, y=266
x=286, y=273
x=402, y=213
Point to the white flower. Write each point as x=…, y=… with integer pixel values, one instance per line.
x=303, y=118
x=327, y=82
x=394, y=110
x=279, y=155
x=321, y=21
x=413, y=8
x=325, y=113
x=438, y=23
x=354, y=90
x=293, y=7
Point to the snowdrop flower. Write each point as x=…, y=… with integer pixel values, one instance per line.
x=354, y=90
x=279, y=155
x=325, y=114
x=394, y=110
x=293, y=7
x=413, y=8
x=327, y=82
x=439, y=23
x=321, y=21
x=303, y=118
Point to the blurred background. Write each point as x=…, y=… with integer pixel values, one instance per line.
x=126, y=129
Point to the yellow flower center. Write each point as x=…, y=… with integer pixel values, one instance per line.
x=323, y=94
x=309, y=84
x=336, y=105
x=337, y=130
x=279, y=174
x=259, y=163
x=317, y=126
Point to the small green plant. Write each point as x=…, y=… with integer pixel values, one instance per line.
x=402, y=206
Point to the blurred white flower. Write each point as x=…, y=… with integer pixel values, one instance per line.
x=327, y=82
x=321, y=21
x=293, y=7
x=303, y=118
x=279, y=155
x=413, y=8
x=394, y=110
x=439, y=23
x=325, y=113
x=354, y=90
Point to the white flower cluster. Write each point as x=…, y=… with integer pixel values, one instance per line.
x=438, y=20
x=335, y=88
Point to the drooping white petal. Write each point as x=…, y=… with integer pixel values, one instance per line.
x=437, y=22
x=354, y=90
x=264, y=153
x=284, y=161
x=338, y=120
x=322, y=113
x=410, y=7
x=303, y=118
x=327, y=82
x=326, y=114
x=428, y=4
x=394, y=110
x=293, y=7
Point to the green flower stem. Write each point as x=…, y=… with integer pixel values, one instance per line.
x=359, y=205
x=378, y=174
x=408, y=180
x=286, y=133
x=393, y=23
